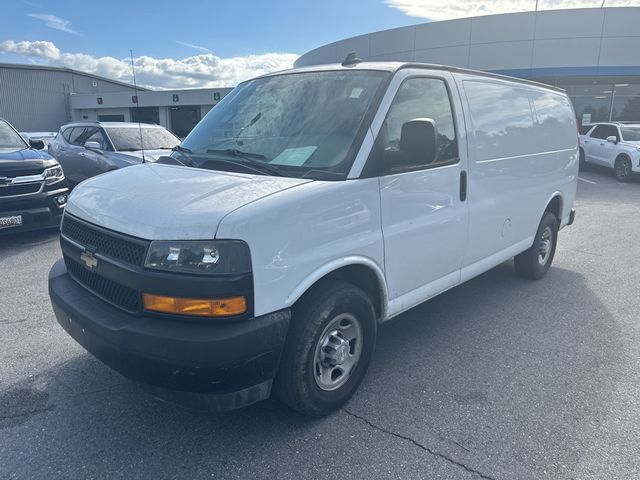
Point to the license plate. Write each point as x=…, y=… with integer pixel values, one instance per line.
x=13, y=221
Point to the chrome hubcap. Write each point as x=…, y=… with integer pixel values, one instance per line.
x=544, y=250
x=337, y=352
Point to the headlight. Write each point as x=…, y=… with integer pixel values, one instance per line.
x=53, y=175
x=215, y=257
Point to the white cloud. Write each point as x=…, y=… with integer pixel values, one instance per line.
x=54, y=22
x=198, y=48
x=439, y=10
x=205, y=70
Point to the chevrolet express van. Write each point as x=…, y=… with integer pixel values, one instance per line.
x=305, y=209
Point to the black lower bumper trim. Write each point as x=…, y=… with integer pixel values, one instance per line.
x=235, y=361
x=572, y=217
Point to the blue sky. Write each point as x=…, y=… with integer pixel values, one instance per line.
x=192, y=43
x=235, y=28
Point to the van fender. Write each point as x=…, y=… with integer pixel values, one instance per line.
x=557, y=193
x=334, y=265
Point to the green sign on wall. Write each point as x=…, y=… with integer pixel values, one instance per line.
x=216, y=96
x=176, y=97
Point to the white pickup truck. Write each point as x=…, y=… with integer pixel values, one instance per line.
x=306, y=208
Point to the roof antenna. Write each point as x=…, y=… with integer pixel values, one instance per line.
x=351, y=59
x=135, y=87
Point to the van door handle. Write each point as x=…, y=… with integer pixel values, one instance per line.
x=463, y=186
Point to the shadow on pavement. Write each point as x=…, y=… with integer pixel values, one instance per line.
x=501, y=373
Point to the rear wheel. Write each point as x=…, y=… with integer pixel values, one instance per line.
x=536, y=261
x=328, y=348
x=583, y=161
x=623, y=168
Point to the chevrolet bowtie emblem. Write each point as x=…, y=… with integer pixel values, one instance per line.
x=89, y=260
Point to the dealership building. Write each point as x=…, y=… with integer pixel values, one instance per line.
x=592, y=53
x=41, y=98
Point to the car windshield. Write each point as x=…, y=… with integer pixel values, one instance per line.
x=630, y=134
x=127, y=139
x=10, y=140
x=298, y=125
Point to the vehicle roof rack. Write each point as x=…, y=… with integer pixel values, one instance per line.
x=351, y=59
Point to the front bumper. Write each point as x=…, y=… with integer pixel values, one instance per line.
x=235, y=362
x=39, y=211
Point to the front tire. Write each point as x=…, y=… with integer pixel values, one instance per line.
x=623, y=169
x=328, y=348
x=534, y=263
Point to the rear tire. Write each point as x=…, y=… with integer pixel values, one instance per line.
x=534, y=263
x=623, y=169
x=328, y=349
x=583, y=162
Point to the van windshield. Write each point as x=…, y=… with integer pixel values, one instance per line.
x=298, y=125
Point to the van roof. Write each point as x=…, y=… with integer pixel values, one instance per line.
x=396, y=66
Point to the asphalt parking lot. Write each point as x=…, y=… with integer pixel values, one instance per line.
x=499, y=378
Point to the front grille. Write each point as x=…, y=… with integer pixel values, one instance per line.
x=26, y=172
x=24, y=189
x=119, y=295
x=107, y=244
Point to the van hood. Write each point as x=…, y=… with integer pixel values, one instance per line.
x=167, y=202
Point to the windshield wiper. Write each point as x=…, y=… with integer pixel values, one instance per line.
x=254, y=160
x=250, y=124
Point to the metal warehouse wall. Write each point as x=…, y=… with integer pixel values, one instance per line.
x=37, y=99
x=594, y=41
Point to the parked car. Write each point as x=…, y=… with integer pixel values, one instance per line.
x=613, y=145
x=86, y=149
x=33, y=190
x=344, y=196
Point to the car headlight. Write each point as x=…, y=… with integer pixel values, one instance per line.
x=208, y=257
x=53, y=174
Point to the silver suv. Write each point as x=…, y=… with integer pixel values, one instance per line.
x=86, y=149
x=613, y=145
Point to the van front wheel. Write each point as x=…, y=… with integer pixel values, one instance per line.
x=328, y=349
x=536, y=261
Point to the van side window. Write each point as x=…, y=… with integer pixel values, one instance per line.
x=555, y=120
x=604, y=131
x=502, y=120
x=418, y=99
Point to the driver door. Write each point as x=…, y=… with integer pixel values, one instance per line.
x=424, y=209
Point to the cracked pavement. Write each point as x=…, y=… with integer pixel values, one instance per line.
x=497, y=379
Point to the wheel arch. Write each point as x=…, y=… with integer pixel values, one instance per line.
x=555, y=204
x=362, y=272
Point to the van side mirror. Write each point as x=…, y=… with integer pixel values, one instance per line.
x=92, y=146
x=418, y=141
x=37, y=144
x=612, y=139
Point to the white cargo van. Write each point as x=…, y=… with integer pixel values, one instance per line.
x=303, y=210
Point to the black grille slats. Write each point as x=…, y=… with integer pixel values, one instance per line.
x=123, y=297
x=108, y=245
x=24, y=189
x=22, y=172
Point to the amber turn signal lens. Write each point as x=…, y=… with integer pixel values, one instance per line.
x=224, y=307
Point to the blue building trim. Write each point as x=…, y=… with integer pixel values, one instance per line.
x=571, y=72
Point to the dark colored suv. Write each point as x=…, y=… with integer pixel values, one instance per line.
x=87, y=149
x=33, y=189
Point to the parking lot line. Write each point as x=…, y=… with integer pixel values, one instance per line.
x=588, y=181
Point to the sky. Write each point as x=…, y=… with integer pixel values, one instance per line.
x=191, y=44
